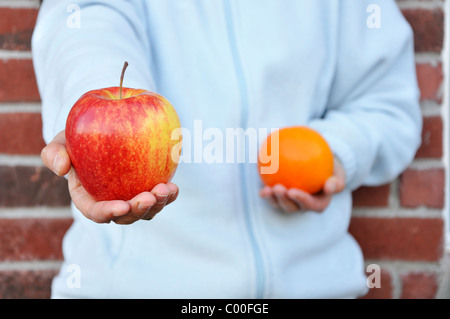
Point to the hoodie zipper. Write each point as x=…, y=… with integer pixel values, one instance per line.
x=243, y=168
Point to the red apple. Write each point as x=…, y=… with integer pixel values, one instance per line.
x=120, y=141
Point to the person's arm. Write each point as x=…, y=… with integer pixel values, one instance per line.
x=373, y=122
x=77, y=47
x=71, y=59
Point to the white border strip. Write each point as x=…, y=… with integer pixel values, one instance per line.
x=390, y=213
x=35, y=212
x=31, y=265
x=19, y=55
x=420, y=4
x=20, y=107
x=19, y=3
x=21, y=160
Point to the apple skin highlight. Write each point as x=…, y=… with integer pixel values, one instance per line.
x=122, y=147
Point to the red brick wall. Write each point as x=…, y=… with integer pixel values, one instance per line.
x=34, y=213
x=400, y=226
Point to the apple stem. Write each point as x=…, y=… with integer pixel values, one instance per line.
x=121, y=78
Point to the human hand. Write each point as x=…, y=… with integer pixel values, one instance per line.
x=143, y=206
x=295, y=200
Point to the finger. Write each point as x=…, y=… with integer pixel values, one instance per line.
x=139, y=207
x=334, y=184
x=161, y=193
x=331, y=185
x=54, y=155
x=286, y=204
x=147, y=204
x=174, y=191
x=317, y=203
x=266, y=193
x=99, y=212
x=339, y=173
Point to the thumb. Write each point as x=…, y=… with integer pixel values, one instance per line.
x=55, y=156
x=331, y=185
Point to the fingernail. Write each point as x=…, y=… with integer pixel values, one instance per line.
x=143, y=207
x=57, y=163
x=161, y=197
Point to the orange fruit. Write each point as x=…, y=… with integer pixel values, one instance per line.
x=302, y=159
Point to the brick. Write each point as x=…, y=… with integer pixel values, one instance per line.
x=24, y=186
x=432, y=133
x=16, y=28
x=419, y=285
x=430, y=79
x=17, y=81
x=422, y=188
x=21, y=133
x=428, y=28
x=26, y=284
x=385, y=290
x=371, y=196
x=410, y=239
x=32, y=238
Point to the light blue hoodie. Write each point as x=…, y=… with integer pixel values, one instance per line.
x=235, y=64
